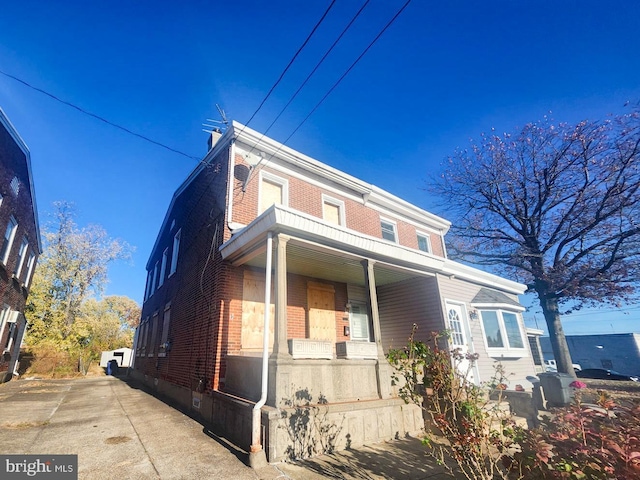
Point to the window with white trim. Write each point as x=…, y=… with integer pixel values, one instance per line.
x=22, y=254
x=359, y=320
x=503, y=333
x=7, y=242
x=273, y=191
x=31, y=262
x=424, y=242
x=333, y=210
x=388, y=230
x=174, y=253
x=163, y=268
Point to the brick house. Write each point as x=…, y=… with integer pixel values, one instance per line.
x=21, y=244
x=351, y=268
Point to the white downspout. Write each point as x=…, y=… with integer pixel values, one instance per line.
x=232, y=164
x=257, y=455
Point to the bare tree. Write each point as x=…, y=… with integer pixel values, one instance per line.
x=558, y=207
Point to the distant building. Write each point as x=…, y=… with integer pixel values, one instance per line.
x=121, y=355
x=20, y=243
x=615, y=351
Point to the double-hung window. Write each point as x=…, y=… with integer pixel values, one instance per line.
x=503, y=333
x=424, y=243
x=174, y=253
x=388, y=230
x=7, y=241
x=22, y=254
x=163, y=267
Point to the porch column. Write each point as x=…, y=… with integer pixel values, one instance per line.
x=383, y=369
x=280, y=346
x=280, y=362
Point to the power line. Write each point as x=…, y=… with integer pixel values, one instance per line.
x=355, y=62
x=306, y=80
x=98, y=117
x=291, y=61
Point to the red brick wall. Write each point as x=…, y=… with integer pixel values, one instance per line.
x=13, y=291
x=307, y=198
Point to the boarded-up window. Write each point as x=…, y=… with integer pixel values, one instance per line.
x=253, y=312
x=322, y=312
x=271, y=192
x=331, y=213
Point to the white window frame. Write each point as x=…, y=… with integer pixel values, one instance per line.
x=427, y=237
x=506, y=350
x=360, y=306
x=326, y=199
x=13, y=225
x=163, y=267
x=22, y=254
x=30, y=264
x=270, y=177
x=175, y=252
x=395, y=229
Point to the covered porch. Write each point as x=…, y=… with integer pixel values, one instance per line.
x=327, y=338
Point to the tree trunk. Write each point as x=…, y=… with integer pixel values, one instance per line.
x=556, y=333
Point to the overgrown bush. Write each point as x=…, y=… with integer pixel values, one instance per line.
x=584, y=441
x=475, y=438
x=472, y=435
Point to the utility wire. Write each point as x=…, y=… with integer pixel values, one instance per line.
x=291, y=61
x=306, y=80
x=355, y=62
x=98, y=117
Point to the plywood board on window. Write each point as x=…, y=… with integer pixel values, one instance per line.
x=253, y=312
x=322, y=311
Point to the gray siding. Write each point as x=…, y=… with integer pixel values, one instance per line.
x=517, y=369
x=404, y=303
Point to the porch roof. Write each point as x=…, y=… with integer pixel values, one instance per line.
x=332, y=252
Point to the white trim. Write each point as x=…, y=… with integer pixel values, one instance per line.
x=163, y=267
x=498, y=306
x=175, y=251
x=10, y=240
x=466, y=326
x=22, y=255
x=336, y=203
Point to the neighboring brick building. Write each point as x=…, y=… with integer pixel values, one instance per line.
x=351, y=268
x=20, y=242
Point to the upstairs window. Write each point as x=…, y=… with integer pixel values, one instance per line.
x=22, y=254
x=154, y=282
x=333, y=210
x=424, y=243
x=163, y=268
x=388, y=230
x=273, y=191
x=7, y=242
x=30, y=264
x=174, y=253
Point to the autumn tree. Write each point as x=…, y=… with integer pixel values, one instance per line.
x=62, y=308
x=555, y=205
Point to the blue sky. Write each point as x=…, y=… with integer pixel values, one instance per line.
x=443, y=73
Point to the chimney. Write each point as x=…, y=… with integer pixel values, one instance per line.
x=215, y=136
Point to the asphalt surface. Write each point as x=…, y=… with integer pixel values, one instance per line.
x=120, y=431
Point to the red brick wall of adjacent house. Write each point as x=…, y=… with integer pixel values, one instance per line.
x=307, y=198
x=14, y=291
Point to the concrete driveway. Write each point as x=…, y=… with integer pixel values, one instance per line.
x=119, y=431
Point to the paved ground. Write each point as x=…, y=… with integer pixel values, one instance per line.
x=119, y=431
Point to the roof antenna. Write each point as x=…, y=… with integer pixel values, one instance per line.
x=223, y=122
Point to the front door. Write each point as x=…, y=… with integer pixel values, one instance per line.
x=457, y=325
